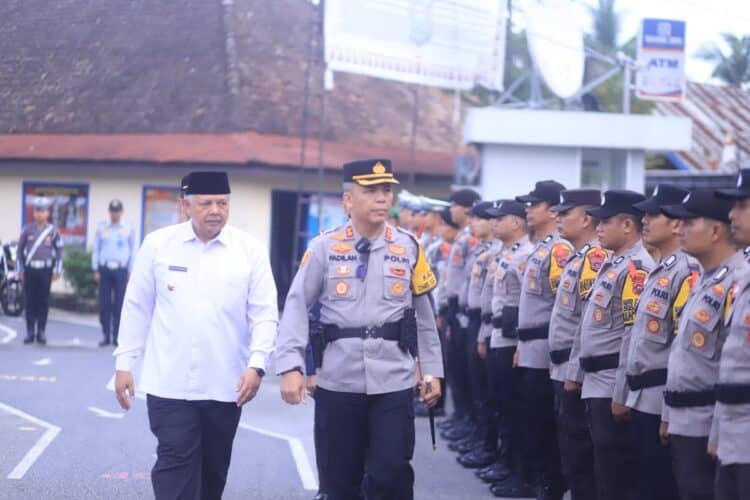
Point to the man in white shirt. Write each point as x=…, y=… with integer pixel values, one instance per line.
x=201, y=308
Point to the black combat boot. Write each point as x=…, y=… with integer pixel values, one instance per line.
x=41, y=339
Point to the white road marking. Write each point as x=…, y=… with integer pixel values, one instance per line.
x=304, y=469
x=104, y=413
x=43, y=362
x=36, y=451
x=10, y=334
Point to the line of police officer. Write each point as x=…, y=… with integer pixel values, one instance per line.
x=603, y=337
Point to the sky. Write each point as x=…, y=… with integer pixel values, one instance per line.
x=706, y=20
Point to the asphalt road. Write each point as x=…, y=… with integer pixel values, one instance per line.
x=63, y=435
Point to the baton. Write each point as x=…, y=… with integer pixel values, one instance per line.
x=431, y=412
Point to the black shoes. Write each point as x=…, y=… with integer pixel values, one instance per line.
x=513, y=487
x=104, y=343
x=29, y=339
x=321, y=496
x=494, y=473
x=41, y=339
x=476, y=459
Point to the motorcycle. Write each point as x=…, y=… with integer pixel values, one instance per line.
x=11, y=286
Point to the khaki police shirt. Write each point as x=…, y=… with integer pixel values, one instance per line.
x=731, y=423
x=488, y=282
x=664, y=295
x=577, y=279
x=609, y=316
x=695, y=353
x=506, y=290
x=458, y=268
x=541, y=278
x=398, y=277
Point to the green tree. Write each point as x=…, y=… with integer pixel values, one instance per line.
x=732, y=62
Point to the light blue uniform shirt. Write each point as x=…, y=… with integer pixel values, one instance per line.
x=114, y=245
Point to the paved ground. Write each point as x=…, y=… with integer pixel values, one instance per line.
x=63, y=435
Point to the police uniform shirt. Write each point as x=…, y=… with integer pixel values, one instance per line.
x=463, y=295
x=114, y=246
x=398, y=277
x=442, y=257
x=506, y=291
x=577, y=279
x=457, y=266
x=494, y=253
x=49, y=252
x=694, y=356
x=731, y=422
x=609, y=316
x=664, y=295
x=540, y=281
x=434, y=257
x=479, y=267
x=199, y=313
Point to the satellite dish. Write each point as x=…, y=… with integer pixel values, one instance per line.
x=556, y=46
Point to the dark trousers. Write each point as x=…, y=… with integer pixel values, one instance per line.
x=694, y=470
x=458, y=368
x=37, y=284
x=541, y=450
x=576, y=448
x=358, y=429
x=733, y=482
x=112, y=286
x=653, y=465
x=504, y=403
x=194, y=447
x=477, y=376
x=613, y=451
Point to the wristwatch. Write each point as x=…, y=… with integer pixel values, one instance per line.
x=261, y=372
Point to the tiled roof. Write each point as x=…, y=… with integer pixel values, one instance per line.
x=720, y=115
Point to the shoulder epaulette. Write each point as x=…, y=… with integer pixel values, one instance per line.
x=583, y=251
x=721, y=274
x=548, y=239
x=670, y=261
x=619, y=259
x=410, y=235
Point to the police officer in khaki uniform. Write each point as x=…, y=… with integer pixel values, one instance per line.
x=578, y=228
x=372, y=281
x=511, y=229
x=40, y=260
x=541, y=278
x=693, y=366
x=664, y=295
x=606, y=320
x=730, y=433
x=459, y=425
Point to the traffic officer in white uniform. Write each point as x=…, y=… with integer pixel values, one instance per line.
x=730, y=433
x=373, y=282
x=664, y=295
x=693, y=367
x=578, y=228
x=200, y=308
x=606, y=320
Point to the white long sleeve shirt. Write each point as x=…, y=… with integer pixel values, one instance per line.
x=199, y=314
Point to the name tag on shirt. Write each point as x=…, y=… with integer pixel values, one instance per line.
x=179, y=269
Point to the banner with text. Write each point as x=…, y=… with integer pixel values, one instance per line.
x=661, y=60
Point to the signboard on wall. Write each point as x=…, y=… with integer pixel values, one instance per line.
x=161, y=208
x=453, y=44
x=69, y=210
x=661, y=60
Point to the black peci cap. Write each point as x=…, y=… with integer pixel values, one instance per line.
x=464, y=197
x=115, y=206
x=481, y=209
x=741, y=191
x=700, y=202
x=663, y=195
x=184, y=184
x=544, y=191
x=369, y=172
x=617, y=201
x=570, y=198
x=208, y=183
x=508, y=207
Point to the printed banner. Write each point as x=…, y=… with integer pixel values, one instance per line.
x=661, y=60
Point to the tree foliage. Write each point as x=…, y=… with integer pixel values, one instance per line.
x=732, y=61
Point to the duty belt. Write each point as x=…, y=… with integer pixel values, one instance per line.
x=733, y=394
x=40, y=264
x=487, y=318
x=536, y=333
x=497, y=322
x=113, y=265
x=474, y=314
x=509, y=322
x=688, y=399
x=389, y=331
x=559, y=356
x=593, y=364
x=650, y=378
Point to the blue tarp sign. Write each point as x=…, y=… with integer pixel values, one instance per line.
x=661, y=60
